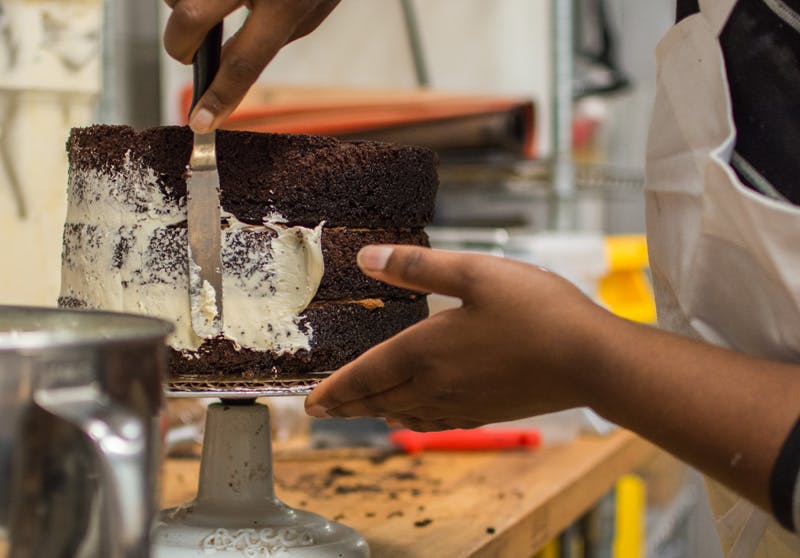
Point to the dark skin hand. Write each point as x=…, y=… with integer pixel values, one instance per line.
x=270, y=25
x=526, y=341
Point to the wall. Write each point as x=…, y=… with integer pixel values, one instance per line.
x=49, y=81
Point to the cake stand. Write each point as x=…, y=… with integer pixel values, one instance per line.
x=236, y=512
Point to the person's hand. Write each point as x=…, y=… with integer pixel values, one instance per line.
x=518, y=346
x=526, y=342
x=270, y=25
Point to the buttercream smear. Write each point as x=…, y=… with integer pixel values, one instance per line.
x=203, y=301
x=125, y=250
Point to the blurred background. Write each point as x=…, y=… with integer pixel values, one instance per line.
x=475, y=80
x=538, y=109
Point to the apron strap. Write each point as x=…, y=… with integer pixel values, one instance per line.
x=750, y=536
x=741, y=528
x=717, y=13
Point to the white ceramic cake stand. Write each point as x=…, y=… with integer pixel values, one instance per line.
x=236, y=513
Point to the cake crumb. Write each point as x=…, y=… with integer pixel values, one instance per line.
x=383, y=456
x=343, y=489
x=338, y=471
x=405, y=475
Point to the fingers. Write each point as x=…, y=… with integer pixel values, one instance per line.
x=423, y=425
x=388, y=365
x=402, y=404
x=189, y=23
x=400, y=399
x=422, y=269
x=314, y=18
x=378, y=370
x=244, y=57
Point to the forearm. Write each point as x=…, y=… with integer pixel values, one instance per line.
x=723, y=412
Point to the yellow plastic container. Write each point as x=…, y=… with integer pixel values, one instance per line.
x=626, y=288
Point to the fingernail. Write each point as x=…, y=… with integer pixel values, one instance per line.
x=318, y=411
x=201, y=121
x=374, y=258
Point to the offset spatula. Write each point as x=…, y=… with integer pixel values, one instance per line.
x=202, y=205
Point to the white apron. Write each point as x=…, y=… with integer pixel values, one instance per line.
x=725, y=259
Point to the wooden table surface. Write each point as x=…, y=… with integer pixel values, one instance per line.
x=491, y=504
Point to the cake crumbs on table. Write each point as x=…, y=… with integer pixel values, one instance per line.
x=405, y=475
x=349, y=489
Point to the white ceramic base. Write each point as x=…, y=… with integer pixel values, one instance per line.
x=236, y=513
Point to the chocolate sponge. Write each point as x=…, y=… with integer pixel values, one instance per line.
x=307, y=179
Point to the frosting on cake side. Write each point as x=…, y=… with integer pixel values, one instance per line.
x=125, y=249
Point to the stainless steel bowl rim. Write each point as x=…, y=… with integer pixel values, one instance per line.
x=44, y=327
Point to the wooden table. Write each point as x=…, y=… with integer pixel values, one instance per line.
x=493, y=504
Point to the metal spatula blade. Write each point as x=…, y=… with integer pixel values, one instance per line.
x=205, y=243
x=203, y=207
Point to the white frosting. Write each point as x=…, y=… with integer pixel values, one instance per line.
x=202, y=301
x=263, y=298
x=123, y=251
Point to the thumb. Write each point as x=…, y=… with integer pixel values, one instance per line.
x=422, y=269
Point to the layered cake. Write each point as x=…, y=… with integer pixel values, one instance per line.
x=295, y=212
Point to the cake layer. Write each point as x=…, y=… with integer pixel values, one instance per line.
x=125, y=250
x=160, y=257
x=305, y=179
x=342, y=331
x=342, y=278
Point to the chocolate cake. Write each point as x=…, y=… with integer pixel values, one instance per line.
x=295, y=211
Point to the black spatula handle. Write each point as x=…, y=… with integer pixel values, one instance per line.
x=206, y=63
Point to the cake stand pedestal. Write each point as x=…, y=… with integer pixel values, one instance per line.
x=236, y=513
